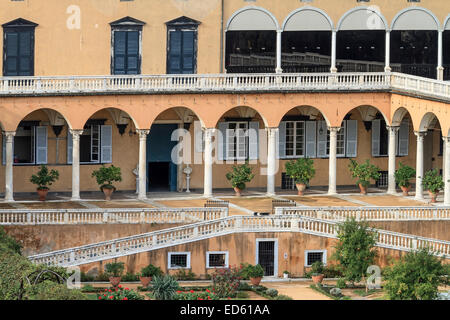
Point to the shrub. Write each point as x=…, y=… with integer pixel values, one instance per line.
x=130, y=277
x=226, y=282
x=9, y=243
x=114, y=269
x=282, y=297
x=244, y=270
x=272, y=292
x=364, y=172
x=151, y=271
x=242, y=295
x=332, y=271
x=43, y=178
x=119, y=293
x=433, y=181
x=164, y=287
x=196, y=295
x=240, y=175
x=301, y=170
x=244, y=286
x=88, y=288
x=336, y=292
x=317, y=268
x=416, y=276
x=84, y=277
x=105, y=176
x=102, y=277
x=341, y=283
x=182, y=275
x=255, y=271
x=355, y=250
x=14, y=270
x=48, y=290
x=403, y=174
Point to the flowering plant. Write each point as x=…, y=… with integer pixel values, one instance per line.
x=196, y=295
x=119, y=293
x=226, y=281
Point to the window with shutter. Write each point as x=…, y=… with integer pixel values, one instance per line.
x=222, y=141
x=69, y=147
x=18, y=44
x=41, y=145
x=352, y=138
x=126, y=56
x=253, y=140
x=376, y=124
x=106, y=144
x=403, y=138
x=322, y=135
x=282, y=140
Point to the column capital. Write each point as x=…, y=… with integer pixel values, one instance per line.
x=273, y=130
x=446, y=139
x=393, y=128
x=9, y=135
x=420, y=135
x=76, y=133
x=143, y=133
x=209, y=133
x=334, y=129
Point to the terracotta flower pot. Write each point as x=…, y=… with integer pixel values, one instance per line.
x=255, y=281
x=301, y=188
x=363, y=189
x=42, y=194
x=238, y=191
x=108, y=192
x=145, y=281
x=405, y=190
x=433, y=196
x=115, y=281
x=317, y=279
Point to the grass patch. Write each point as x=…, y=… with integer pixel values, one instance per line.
x=325, y=291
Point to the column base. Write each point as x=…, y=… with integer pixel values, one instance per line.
x=419, y=198
x=278, y=70
x=387, y=69
x=332, y=193
x=144, y=197
x=333, y=70
x=9, y=200
x=270, y=194
x=206, y=195
x=75, y=199
x=440, y=73
x=391, y=192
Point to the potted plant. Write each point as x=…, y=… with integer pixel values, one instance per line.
x=239, y=176
x=147, y=273
x=364, y=172
x=302, y=171
x=114, y=270
x=43, y=179
x=317, y=272
x=255, y=273
x=105, y=177
x=402, y=176
x=433, y=183
x=286, y=274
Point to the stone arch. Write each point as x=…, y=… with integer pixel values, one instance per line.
x=182, y=112
x=308, y=19
x=368, y=113
x=362, y=18
x=427, y=121
x=307, y=110
x=244, y=111
x=446, y=25
x=252, y=18
x=415, y=18
x=398, y=116
x=118, y=115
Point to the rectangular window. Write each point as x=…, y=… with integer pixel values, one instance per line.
x=237, y=141
x=18, y=57
x=217, y=259
x=126, y=57
x=312, y=256
x=181, y=53
x=295, y=138
x=179, y=260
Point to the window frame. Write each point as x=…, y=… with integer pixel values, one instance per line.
x=226, y=253
x=169, y=260
x=236, y=144
x=295, y=155
x=324, y=256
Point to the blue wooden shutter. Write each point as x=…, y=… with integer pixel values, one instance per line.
x=188, y=52
x=106, y=144
x=41, y=145
x=222, y=141
x=282, y=140
x=352, y=138
x=181, y=53
x=253, y=140
x=18, y=53
x=403, y=138
x=174, y=55
x=376, y=127
x=69, y=147
x=120, y=50
x=310, y=139
x=132, y=52
x=322, y=139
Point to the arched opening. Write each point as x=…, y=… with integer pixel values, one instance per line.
x=446, y=49
x=306, y=41
x=433, y=145
x=414, y=42
x=360, y=41
x=251, y=41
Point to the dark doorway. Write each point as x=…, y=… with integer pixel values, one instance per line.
x=266, y=257
x=158, y=176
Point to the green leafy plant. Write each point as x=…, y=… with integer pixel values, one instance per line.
x=130, y=277
x=105, y=176
x=9, y=243
x=119, y=293
x=196, y=295
x=183, y=275
x=364, y=172
x=151, y=271
x=255, y=271
x=272, y=292
x=301, y=170
x=115, y=269
x=433, y=181
x=226, y=282
x=355, y=250
x=164, y=287
x=341, y=283
x=403, y=174
x=317, y=268
x=49, y=290
x=240, y=175
x=44, y=178
x=416, y=276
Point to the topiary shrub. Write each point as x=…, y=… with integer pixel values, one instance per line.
x=44, y=178
x=364, y=172
x=301, y=170
x=164, y=287
x=432, y=181
x=240, y=175
x=272, y=292
x=403, y=174
x=105, y=176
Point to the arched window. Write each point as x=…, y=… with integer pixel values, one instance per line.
x=306, y=41
x=414, y=42
x=251, y=41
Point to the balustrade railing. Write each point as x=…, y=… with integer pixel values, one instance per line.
x=369, y=213
x=105, y=216
x=234, y=224
x=368, y=81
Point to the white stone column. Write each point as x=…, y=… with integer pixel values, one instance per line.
x=387, y=67
x=142, y=163
x=278, y=67
x=332, y=161
x=271, y=160
x=419, y=164
x=440, y=68
x=207, y=184
x=446, y=171
x=333, y=68
x=391, y=164
x=9, y=189
x=76, y=164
